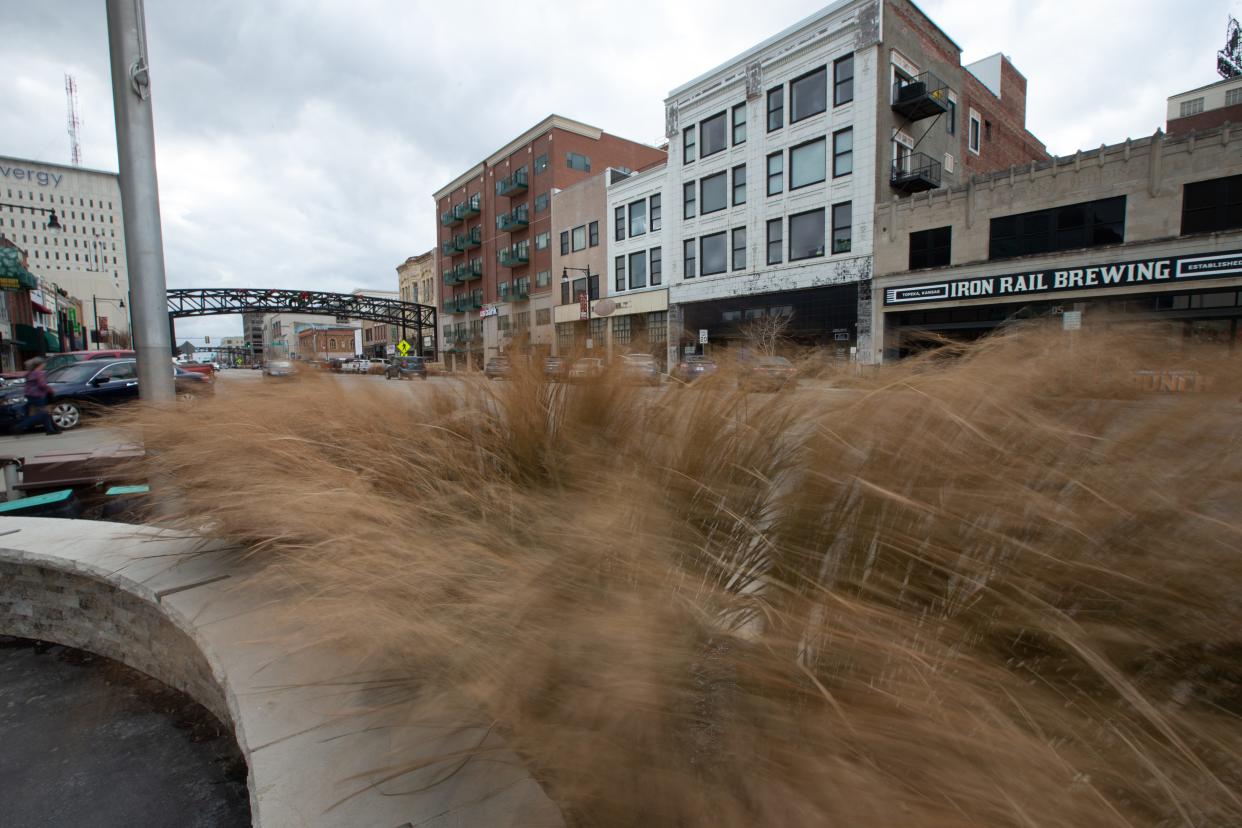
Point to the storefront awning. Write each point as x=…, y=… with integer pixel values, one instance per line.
x=51, y=341
x=12, y=275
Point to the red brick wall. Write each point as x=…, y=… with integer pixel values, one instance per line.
x=1010, y=143
x=1206, y=120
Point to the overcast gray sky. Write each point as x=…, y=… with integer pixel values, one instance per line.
x=299, y=141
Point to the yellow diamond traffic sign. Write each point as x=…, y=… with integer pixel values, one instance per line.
x=403, y=347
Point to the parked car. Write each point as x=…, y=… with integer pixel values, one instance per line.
x=79, y=387
x=695, y=367
x=278, y=368
x=640, y=368
x=357, y=365
x=376, y=366
x=69, y=358
x=555, y=368
x=406, y=367
x=497, y=368
x=192, y=383
x=767, y=373
x=586, y=368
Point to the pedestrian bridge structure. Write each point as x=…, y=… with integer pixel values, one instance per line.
x=417, y=322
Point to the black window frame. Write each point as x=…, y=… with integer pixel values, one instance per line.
x=776, y=243
x=779, y=175
x=564, y=242
x=848, y=226
x=823, y=167
x=779, y=110
x=823, y=223
x=641, y=257
x=738, y=186
x=593, y=234
x=689, y=199
x=722, y=176
x=931, y=248
x=689, y=145
x=1084, y=224
x=689, y=258
x=733, y=244
x=630, y=211
x=655, y=267
x=794, y=118
x=619, y=223
x=618, y=265
x=738, y=108
x=951, y=116
x=655, y=212
x=1213, y=205
x=723, y=237
x=720, y=117
x=839, y=82
x=837, y=154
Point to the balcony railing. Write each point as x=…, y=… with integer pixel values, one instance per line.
x=460, y=271
x=922, y=97
x=474, y=270
x=476, y=299
x=515, y=219
x=502, y=292
x=521, y=291
x=513, y=185
x=448, y=248
x=472, y=206
x=450, y=305
x=915, y=173
x=459, y=242
x=462, y=303
x=452, y=277
x=474, y=238
x=448, y=218
x=515, y=256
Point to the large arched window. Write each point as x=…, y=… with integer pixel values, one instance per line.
x=331, y=344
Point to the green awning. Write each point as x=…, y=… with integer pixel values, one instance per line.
x=12, y=275
x=52, y=341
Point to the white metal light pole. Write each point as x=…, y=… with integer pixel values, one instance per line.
x=140, y=198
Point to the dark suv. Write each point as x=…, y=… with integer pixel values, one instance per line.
x=406, y=367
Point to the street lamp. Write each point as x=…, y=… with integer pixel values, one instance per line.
x=565, y=281
x=120, y=303
x=53, y=223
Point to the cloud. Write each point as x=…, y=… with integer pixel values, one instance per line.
x=299, y=141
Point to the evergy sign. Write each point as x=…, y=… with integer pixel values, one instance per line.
x=41, y=177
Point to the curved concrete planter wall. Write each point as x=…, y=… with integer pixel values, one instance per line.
x=196, y=619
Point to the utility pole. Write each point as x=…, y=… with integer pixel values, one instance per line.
x=140, y=199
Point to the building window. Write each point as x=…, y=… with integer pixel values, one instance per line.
x=714, y=253
x=950, y=123
x=1088, y=224
x=843, y=80
x=806, y=235
x=776, y=240
x=1212, y=206
x=543, y=316
x=687, y=200
x=579, y=162
x=620, y=330
x=541, y=202
x=687, y=145
x=541, y=163
x=638, y=218
x=619, y=274
x=688, y=253
x=593, y=233
x=543, y=278
x=976, y=124
x=543, y=240
x=712, y=132
x=843, y=152
x=564, y=242
x=502, y=323
x=713, y=193
x=739, y=184
x=930, y=248
x=739, y=248
x=808, y=95
x=580, y=238
x=657, y=266
x=807, y=163
x=657, y=327
x=619, y=222
x=842, y=227
x=638, y=270
x=1233, y=97
x=655, y=212
x=739, y=124
x=776, y=108
x=1191, y=107
x=776, y=173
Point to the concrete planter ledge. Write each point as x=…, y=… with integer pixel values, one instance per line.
x=193, y=616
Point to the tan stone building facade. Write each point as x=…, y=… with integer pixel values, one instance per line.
x=418, y=281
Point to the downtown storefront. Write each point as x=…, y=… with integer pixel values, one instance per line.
x=1188, y=289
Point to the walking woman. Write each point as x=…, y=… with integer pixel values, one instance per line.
x=38, y=395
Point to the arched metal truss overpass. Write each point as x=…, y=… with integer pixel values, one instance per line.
x=415, y=321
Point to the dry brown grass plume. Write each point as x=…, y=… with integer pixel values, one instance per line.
x=995, y=586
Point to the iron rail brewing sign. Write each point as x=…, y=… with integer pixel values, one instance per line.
x=1118, y=276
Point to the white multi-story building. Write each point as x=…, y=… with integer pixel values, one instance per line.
x=779, y=158
x=85, y=256
x=639, y=240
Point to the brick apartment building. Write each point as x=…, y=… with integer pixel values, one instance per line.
x=496, y=236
